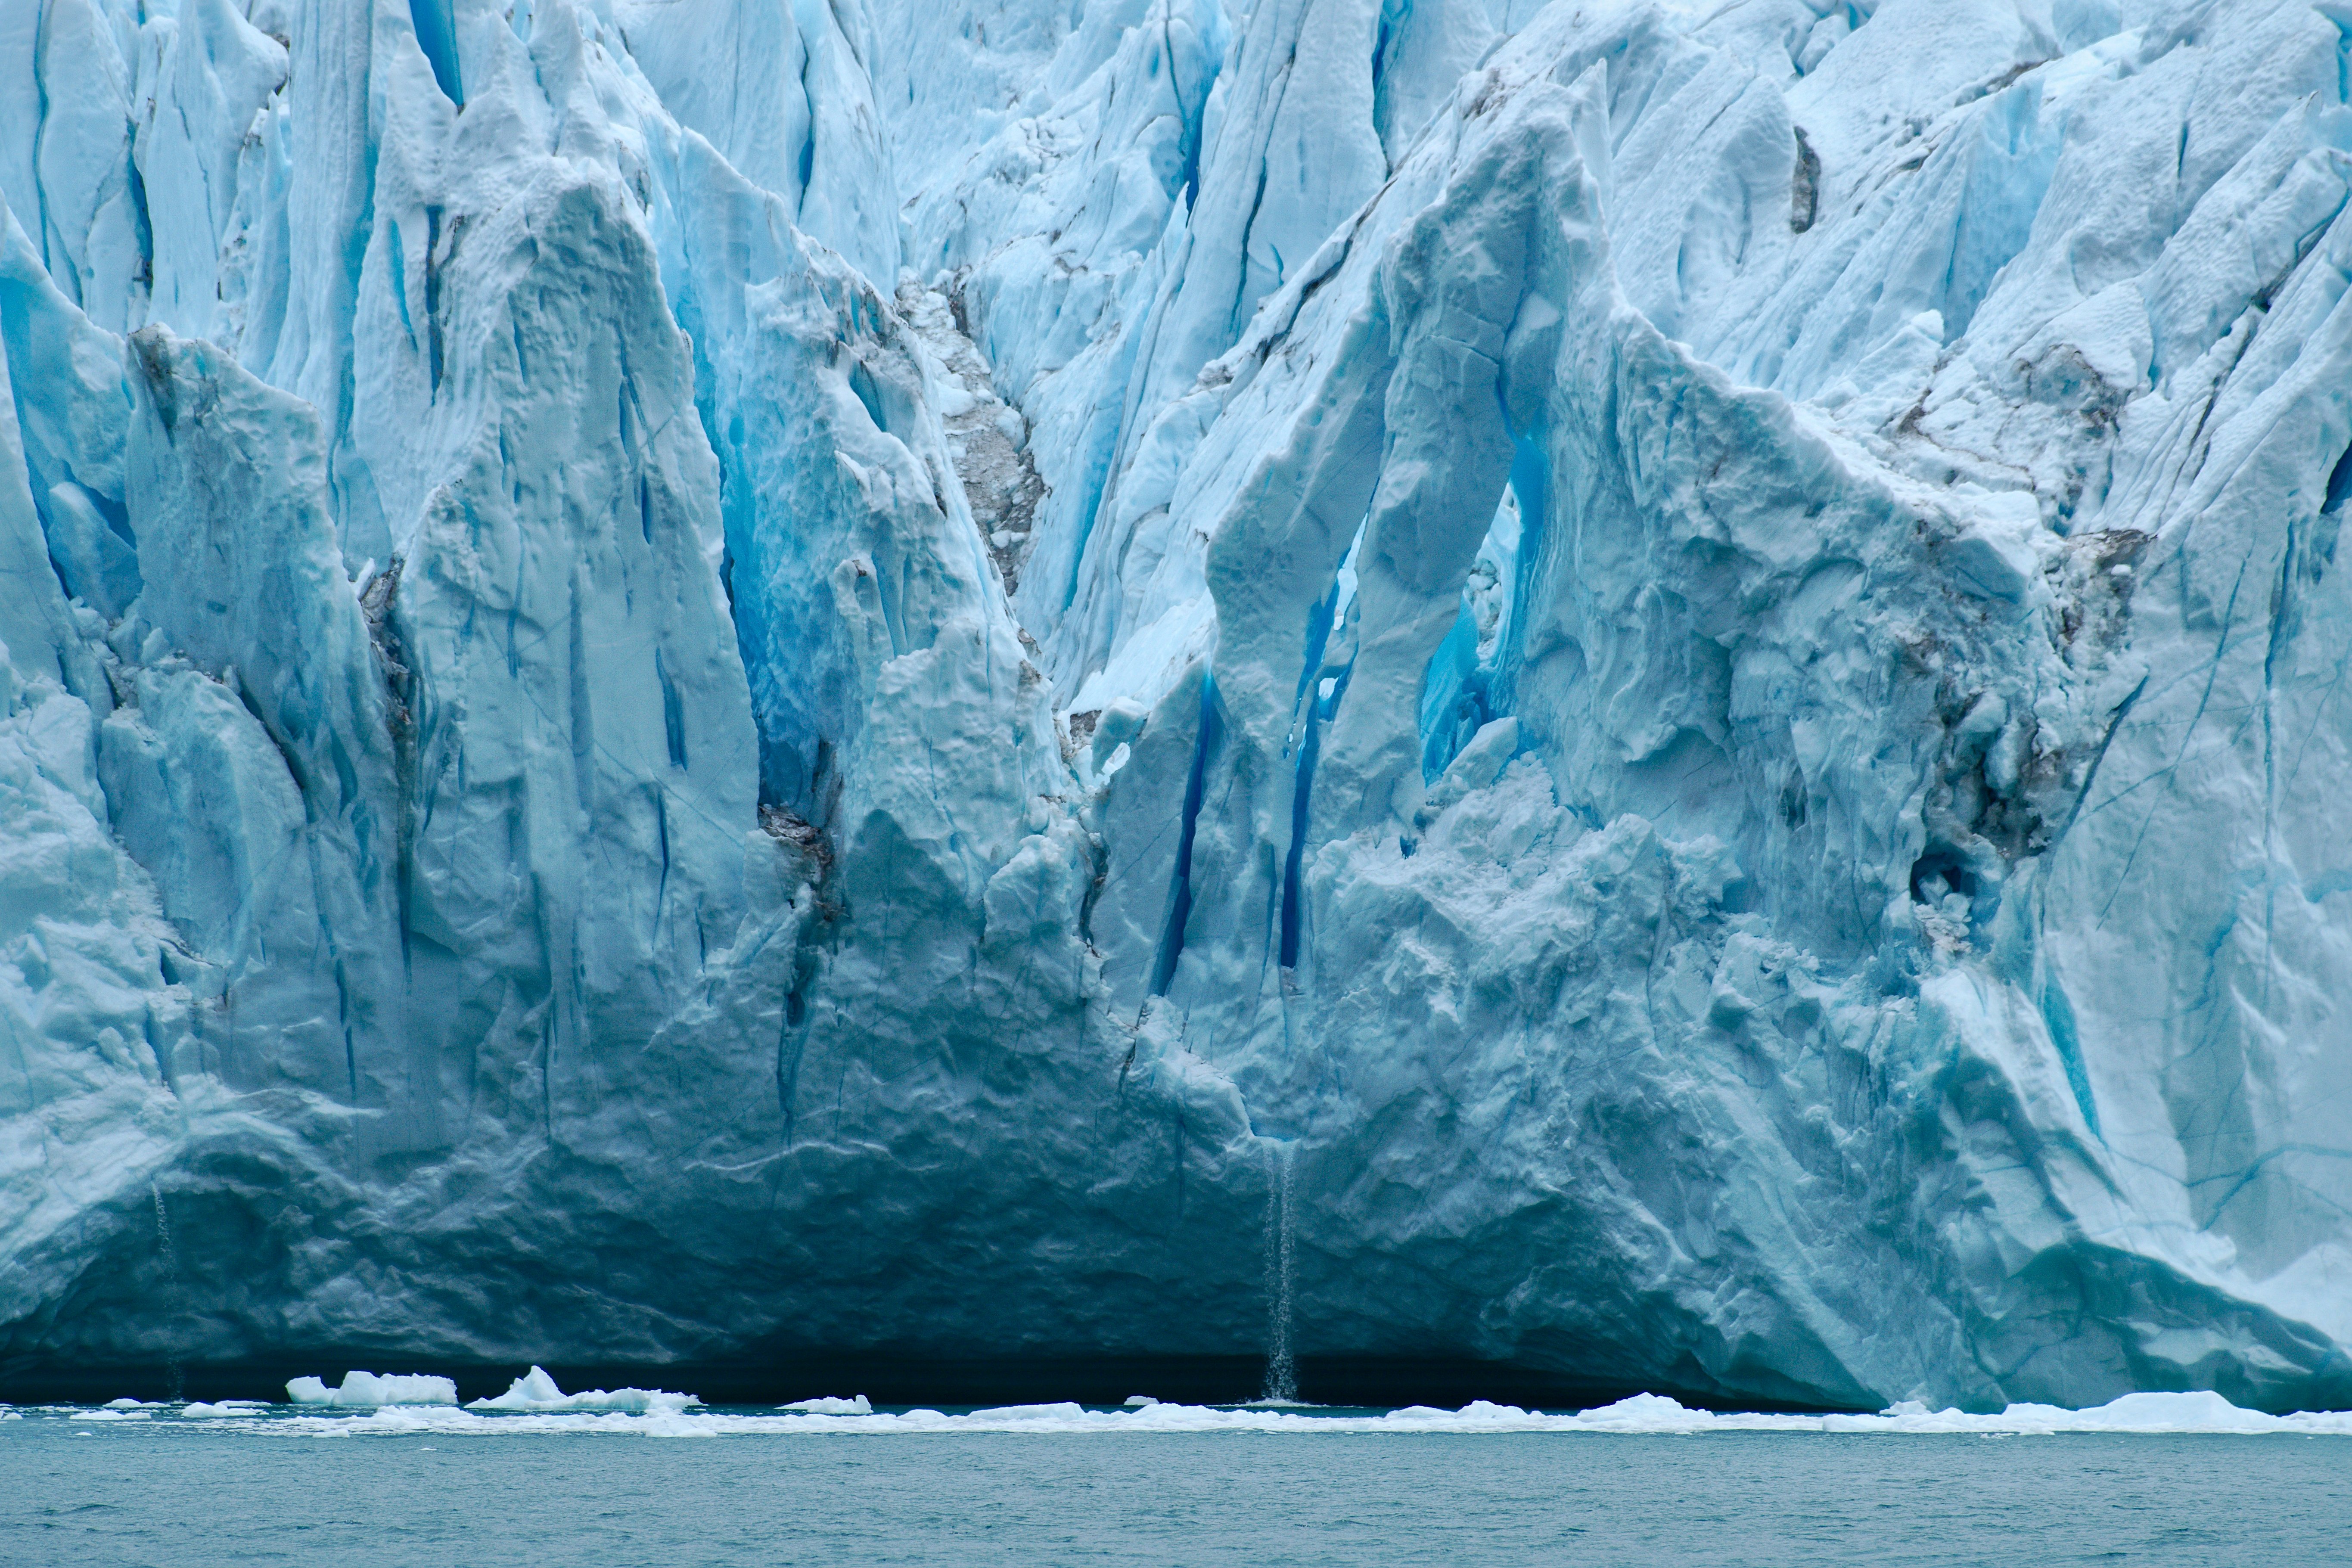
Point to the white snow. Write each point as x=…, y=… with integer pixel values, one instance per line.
x=369, y=1391
x=1644, y=1414
x=535, y=1390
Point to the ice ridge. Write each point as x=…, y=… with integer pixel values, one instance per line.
x=687, y=680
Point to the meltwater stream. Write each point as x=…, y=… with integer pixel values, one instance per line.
x=1281, y=1263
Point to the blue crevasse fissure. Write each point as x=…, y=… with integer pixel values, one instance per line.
x=436, y=34
x=1096, y=476
x=2058, y=1013
x=2339, y=482
x=555, y=691
x=1300, y=799
x=1454, y=699
x=1211, y=732
x=1194, y=116
x=2010, y=161
x=1322, y=683
x=1473, y=678
x=1320, y=711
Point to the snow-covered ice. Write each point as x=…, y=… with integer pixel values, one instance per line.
x=535, y=1390
x=1649, y=689
x=1642, y=1415
x=370, y=1391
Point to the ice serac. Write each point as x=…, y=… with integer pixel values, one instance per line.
x=1648, y=692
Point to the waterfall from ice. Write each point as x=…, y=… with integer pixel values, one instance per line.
x=170, y=1257
x=1281, y=1252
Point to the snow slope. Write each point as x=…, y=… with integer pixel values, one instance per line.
x=1646, y=688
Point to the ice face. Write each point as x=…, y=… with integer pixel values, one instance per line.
x=1644, y=690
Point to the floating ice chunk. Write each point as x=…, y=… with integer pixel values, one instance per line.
x=2133, y=1413
x=205, y=1410
x=368, y=1391
x=133, y=1404
x=1644, y=1413
x=2152, y=1413
x=535, y=1390
x=1140, y=1402
x=2180, y=1414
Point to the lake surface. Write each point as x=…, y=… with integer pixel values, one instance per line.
x=150, y=1488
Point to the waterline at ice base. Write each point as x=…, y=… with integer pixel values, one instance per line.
x=367, y=1405
x=1582, y=700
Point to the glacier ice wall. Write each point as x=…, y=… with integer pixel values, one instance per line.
x=716, y=679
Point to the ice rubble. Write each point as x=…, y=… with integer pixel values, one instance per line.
x=1681, y=664
x=1644, y=1414
x=535, y=1390
x=373, y=1390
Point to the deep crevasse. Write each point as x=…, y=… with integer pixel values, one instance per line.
x=1696, y=651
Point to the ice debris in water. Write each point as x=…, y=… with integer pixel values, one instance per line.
x=854, y=1405
x=2179, y=1413
x=369, y=1391
x=536, y=1390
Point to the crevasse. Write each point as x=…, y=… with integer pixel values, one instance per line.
x=690, y=679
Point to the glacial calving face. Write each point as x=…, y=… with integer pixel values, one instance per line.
x=693, y=678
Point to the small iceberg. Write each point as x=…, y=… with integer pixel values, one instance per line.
x=371, y=1391
x=535, y=1392
x=857, y=1404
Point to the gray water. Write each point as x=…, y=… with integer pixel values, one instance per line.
x=173, y=1494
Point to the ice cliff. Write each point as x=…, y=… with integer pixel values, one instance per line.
x=1649, y=689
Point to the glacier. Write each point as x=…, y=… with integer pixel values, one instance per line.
x=1641, y=691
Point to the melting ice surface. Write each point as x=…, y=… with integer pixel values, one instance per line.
x=1646, y=1413
x=537, y=1392
x=397, y=1406
x=688, y=678
x=369, y=1391
x=2185, y=1482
